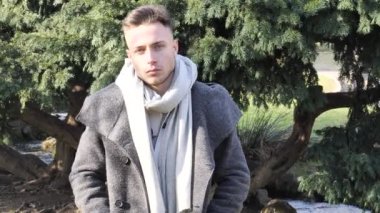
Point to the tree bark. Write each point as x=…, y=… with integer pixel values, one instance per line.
x=285, y=155
x=61, y=164
x=66, y=132
x=50, y=124
x=27, y=166
x=65, y=153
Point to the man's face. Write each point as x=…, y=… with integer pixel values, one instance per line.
x=152, y=50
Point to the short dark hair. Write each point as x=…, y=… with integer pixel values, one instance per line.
x=148, y=14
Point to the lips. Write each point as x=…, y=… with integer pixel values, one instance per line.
x=153, y=71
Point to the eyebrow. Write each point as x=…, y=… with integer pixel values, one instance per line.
x=155, y=43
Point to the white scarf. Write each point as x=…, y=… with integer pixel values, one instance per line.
x=171, y=160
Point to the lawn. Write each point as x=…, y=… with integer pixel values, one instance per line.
x=283, y=117
x=335, y=117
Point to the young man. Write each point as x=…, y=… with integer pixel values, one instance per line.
x=157, y=140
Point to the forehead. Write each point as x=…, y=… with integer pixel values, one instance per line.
x=147, y=34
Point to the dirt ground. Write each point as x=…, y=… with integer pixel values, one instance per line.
x=18, y=196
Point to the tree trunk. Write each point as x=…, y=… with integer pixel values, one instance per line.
x=25, y=166
x=50, y=124
x=61, y=164
x=66, y=132
x=285, y=155
x=65, y=153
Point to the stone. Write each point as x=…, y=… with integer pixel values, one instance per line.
x=49, y=144
x=262, y=196
x=278, y=206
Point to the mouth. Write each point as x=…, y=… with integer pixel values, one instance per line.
x=154, y=70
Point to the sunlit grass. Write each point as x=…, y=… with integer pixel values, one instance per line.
x=275, y=123
x=334, y=117
x=259, y=125
x=284, y=117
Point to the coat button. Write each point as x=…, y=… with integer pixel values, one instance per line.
x=119, y=204
x=127, y=161
x=122, y=204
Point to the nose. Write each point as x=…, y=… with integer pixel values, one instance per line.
x=151, y=56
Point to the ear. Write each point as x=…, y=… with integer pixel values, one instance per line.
x=175, y=45
x=126, y=43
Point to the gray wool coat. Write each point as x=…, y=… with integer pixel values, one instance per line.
x=106, y=175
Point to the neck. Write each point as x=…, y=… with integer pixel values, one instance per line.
x=164, y=86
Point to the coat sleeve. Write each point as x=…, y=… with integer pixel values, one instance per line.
x=88, y=177
x=231, y=176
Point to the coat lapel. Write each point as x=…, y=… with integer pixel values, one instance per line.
x=204, y=163
x=120, y=134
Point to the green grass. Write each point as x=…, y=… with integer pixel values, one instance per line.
x=285, y=113
x=335, y=117
x=281, y=118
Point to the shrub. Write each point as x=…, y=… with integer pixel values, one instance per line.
x=348, y=164
x=259, y=129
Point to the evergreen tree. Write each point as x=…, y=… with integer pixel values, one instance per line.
x=54, y=53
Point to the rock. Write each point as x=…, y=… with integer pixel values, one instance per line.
x=285, y=185
x=20, y=129
x=49, y=144
x=255, y=203
x=262, y=196
x=5, y=180
x=278, y=206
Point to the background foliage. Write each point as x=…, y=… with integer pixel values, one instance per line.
x=258, y=49
x=348, y=164
x=264, y=48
